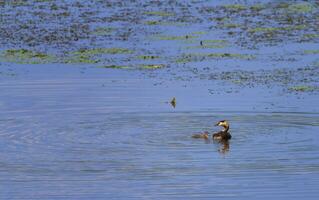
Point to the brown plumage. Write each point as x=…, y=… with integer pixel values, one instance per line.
x=222, y=135
x=204, y=135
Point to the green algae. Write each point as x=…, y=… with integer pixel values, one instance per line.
x=302, y=88
x=235, y=7
x=84, y=59
x=115, y=67
x=230, y=55
x=215, y=41
x=301, y=8
x=159, y=13
x=198, y=57
x=152, y=66
x=257, y=7
x=316, y=51
x=205, y=46
x=221, y=19
x=264, y=29
x=24, y=56
x=199, y=33
x=311, y=36
x=282, y=5
x=153, y=22
x=275, y=29
x=102, y=31
x=16, y=3
x=103, y=51
x=147, y=57
x=231, y=25
x=183, y=37
x=163, y=23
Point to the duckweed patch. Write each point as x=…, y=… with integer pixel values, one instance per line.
x=147, y=57
x=159, y=13
x=199, y=57
x=311, y=36
x=163, y=23
x=221, y=19
x=24, y=56
x=115, y=67
x=102, y=31
x=183, y=37
x=103, y=51
x=199, y=33
x=231, y=25
x=207, y=46
x=153, y=23
x=84, y=59
x=311, y=51
x=257, y=7
x=230, y=55
x=235, y=7
x=274, y=29
x=152, y=66
x=301, y=7
x=303, y=88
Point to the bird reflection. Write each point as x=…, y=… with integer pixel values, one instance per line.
x=224, y=147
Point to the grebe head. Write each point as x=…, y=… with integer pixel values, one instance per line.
x=223, y=123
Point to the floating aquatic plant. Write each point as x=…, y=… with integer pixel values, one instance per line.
x=311, y=36
x=302, y=88
x=24, y=56
x=183, y=37
x=275, y=29
x=159, y=13
x=80, y=59
x=198, y=57
x=103, y=51
x=316, y=51
x=102, y=31
x=235, y=7
x=257, y=7
x=147, y=57
x=152, y=66
x=301, y=7
x=115, y=67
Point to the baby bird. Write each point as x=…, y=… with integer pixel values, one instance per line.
x=222, y=135
x=204, y=135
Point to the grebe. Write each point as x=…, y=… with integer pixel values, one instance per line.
x=204, y=135
x=222, y=135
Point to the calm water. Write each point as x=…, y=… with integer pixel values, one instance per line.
x=91, y=138
x=85, y=86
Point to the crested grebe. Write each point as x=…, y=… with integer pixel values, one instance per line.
x=222, y=135
x=201, y=135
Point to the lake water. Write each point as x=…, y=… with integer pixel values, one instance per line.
x=81, y=139
x=106, y=130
